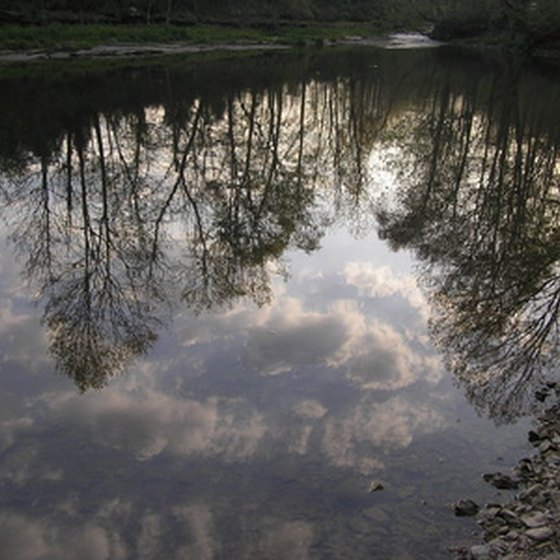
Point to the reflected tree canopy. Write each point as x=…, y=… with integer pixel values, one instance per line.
x=478, y=201
x=186, y=184
x=190, y=195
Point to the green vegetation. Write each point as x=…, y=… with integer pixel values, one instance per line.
x=519, y=24
x=57, y=36
x=69, y=25
x=213, y=11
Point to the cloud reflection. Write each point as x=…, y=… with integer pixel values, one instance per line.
x=382, y=282
x=151, y=422
x=12, y=428
x=200, y=522
x=352, y=338
x=374, y=354
x=310, y=409
x=291, y=539
x=360, y=438
x=23, y=340
x=25, y=538
x=194, y=524
x=292, y=336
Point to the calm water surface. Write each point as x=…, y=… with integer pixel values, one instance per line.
x=217, y=281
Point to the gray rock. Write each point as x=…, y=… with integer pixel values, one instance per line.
x=524, y=468
x=545, y=446
x=501, y=481
x=530, y=492
x=480, y=552
x=466, y=508
x=512, y=536
x=527, y=527
x=540, y=534
x=508, y=516
x=498, y=546
x=376, y=486
x=534, y=520
x=534, y=437
x=491, y=510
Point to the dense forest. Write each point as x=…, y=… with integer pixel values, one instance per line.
x=193, y=11
x=522, y=23
x=528, y=24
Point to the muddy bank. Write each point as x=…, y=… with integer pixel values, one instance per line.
x=112, y=51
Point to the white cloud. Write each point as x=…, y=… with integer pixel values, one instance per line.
x=26, y=538
x=374, y=354
x=381, y=282
x=194, y=528
x=377, y=356
x=149, y=540
x=200, y=527
x=22, y=538
x=147, y=423
x=360, y=439
x=291, y=539
x=379, y=348
x=292, y=336
x=11, y=428
x=310, y=409
x=23, y=339
x=298, y=443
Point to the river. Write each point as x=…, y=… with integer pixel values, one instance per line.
x=271, y=305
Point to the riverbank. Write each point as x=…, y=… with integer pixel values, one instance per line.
x=64, y=41
x=527, y=527
x=482, y=33
x=204, y=41
x=131, y=50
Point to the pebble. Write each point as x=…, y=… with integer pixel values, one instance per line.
x=545, y=446
x=466, y=508
x=480, y=552
x=512, y=535
x=508, y=515
x=376, y=486
x=501, y=481
x=540, y=533
x=534, y=520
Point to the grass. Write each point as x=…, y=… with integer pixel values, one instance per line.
x=61, y=37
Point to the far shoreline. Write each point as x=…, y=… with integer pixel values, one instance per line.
x=68, y=41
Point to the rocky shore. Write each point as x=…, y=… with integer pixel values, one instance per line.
x=528, y=526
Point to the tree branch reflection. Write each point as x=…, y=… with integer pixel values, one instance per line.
x=194, y=200
x=479, y=203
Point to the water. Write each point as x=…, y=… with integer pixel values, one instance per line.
x=217, y=279
x=411, y=41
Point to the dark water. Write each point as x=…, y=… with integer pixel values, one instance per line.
x=236, y=291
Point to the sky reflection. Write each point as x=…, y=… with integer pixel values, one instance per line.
x=230, y=408
x=271, y=353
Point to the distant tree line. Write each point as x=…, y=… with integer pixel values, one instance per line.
x=226, y=11
x=524, y=23
x=527, y=24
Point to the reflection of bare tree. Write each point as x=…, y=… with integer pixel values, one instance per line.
x=192, y=202
x=481, y=209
